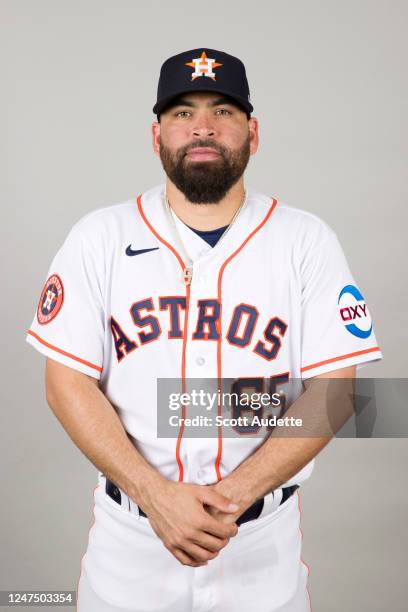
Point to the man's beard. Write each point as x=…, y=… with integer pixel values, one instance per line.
x=205, y=182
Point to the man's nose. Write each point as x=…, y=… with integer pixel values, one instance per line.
x=204, y=126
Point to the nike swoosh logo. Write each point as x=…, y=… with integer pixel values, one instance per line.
x=131, y=252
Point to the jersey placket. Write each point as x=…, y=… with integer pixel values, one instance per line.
x=200, y=356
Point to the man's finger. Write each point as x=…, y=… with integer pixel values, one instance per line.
x=210, y=542
x=185, y=559
x=197, y=553
x=222, y=517
x=219, y=529
x=212, y=498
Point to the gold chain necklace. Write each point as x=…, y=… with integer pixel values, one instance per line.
x=188, y=269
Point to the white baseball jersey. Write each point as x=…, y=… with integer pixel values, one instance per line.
x=274, y=298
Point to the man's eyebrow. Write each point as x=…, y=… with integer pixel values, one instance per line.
x=190, y=103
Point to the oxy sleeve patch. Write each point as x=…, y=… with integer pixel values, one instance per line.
x=354, y=312
x=51, y=300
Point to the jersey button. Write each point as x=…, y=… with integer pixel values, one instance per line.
x=201, y=476
x=200, y=361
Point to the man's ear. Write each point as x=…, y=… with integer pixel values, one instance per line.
x=253, y=127
x=156, y=127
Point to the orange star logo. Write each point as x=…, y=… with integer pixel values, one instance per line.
x=203, y=66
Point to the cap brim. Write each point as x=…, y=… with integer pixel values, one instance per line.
x=159, y=106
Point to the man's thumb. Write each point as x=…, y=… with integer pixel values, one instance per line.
x=212, y=498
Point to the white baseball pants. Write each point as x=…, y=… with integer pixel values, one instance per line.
x=126, y=567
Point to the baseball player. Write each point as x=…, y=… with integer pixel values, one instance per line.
x=196, y=278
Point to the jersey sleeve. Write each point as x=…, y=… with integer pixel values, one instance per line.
x=68, y=325
x=337, y=329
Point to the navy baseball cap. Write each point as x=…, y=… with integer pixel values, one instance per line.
x=203, y=69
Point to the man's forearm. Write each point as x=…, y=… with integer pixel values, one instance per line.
x=94, y=426
x=323, y=407
x=275, y=462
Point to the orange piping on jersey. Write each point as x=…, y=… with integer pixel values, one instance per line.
x=301, y=560
x=320, y=363
x=183, y=354
x=219, y=294
x=151, y=228
x=183, y=384
x=58, y=350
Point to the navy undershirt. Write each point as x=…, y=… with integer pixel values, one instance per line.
x=211, y=236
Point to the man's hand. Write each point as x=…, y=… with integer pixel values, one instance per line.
x=177, y=514
x=229, y=488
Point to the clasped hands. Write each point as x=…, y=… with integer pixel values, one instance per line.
x=193, y=521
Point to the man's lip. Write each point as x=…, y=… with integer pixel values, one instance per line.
x=202, y=153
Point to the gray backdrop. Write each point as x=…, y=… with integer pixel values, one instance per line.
x=328, y=83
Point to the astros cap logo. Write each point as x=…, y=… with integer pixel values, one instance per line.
x=203, y=66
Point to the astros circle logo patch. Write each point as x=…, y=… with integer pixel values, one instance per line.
x=51, y=300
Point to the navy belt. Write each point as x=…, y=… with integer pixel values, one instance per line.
x=250, y=514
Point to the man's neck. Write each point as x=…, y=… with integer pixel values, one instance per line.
x=206, y=216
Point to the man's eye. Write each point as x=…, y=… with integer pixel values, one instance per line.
x=222, y=111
